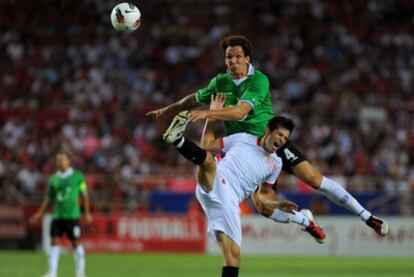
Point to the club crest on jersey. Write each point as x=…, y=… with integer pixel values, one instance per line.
x=271, y=163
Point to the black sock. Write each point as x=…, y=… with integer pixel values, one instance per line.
x=230, y=271
x=192, y=152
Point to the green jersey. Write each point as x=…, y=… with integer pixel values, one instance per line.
x=64, y=190
x=254, y=90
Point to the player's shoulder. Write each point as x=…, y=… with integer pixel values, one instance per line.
x=259, y=75
x=77, y=172
x=245, y=138
x=258, y=79
x=53, y=178
x=223, y=77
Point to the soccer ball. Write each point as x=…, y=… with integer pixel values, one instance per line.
x=125, y=17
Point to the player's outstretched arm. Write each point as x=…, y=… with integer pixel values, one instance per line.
x=238, y=112
x=266, y=201
x=187, y=103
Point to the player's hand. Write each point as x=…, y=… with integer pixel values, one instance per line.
x=88, y=218
x=217, y=101
x=35, y=218
x=198, y=115
x=287, y=206
x=159, y=112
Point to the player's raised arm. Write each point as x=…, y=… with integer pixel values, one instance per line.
x=208, y=139
x=187, y=103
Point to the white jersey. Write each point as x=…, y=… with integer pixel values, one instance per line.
x=247, y=165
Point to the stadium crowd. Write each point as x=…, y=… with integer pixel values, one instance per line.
x=343, y=70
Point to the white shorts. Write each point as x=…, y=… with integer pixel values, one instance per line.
x=222, y=209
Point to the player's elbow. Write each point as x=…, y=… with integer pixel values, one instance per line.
x=205, y=145
x=241, y=111
x=265, y=212
x=240, y=116
x=261, y=208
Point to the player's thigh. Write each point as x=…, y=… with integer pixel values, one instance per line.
x=306, y=172
x=291, y=157
x=221, y=208
x=73, y=230
x=228, y=198
x=57, y=229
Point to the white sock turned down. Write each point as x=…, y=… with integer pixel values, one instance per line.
x=284, y=217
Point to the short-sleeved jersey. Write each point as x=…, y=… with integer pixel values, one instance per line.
x=64, y=190
x=247, y=165
x=254, y=90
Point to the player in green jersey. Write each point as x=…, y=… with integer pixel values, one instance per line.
x=248, y=105
x=64, y=189
x=247, y=108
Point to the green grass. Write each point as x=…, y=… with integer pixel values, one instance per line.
x=32, y=264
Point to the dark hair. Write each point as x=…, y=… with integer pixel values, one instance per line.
x=281, y=121
x=236, y=40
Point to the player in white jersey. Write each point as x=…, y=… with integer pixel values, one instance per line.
x=249, y=164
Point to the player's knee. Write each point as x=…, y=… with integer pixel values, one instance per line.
x=54, y=241
x=75, y=243
x=310, y=175
x=313, y=179
x=209, y=162
x=233, y=258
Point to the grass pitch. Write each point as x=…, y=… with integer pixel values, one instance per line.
x=33, y=264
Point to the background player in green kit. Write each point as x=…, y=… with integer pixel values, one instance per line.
x=248, y=107
x=64, y=189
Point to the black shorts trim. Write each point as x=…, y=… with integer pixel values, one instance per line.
x=70, y=227
x=290, y=156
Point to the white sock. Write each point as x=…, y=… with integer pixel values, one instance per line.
x=54, y=253
x=284, y=217
x=337, y=194
x=79, y=255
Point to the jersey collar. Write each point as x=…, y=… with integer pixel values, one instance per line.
x=65, y=174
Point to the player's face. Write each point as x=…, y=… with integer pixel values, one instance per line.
x=62, y=162
x=236, y=62
x=277, y=138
